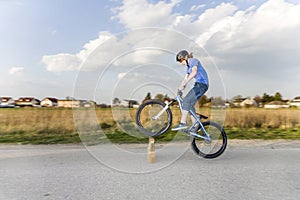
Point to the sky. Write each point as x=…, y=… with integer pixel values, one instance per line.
x=100, y=50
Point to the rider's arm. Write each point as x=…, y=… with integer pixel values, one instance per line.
x=188, y=77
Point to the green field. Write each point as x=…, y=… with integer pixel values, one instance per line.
x=57, y=125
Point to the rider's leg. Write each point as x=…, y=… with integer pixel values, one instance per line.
x=199, y=90
x=188, y=103
x=182, y=125
x=193, y=119
x=184, y=116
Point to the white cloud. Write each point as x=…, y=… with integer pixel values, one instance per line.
x=206, y=24
x=130, y=49
x=121, y=75
x=124, y=50
x=197, y=7
x=16, y=70
x=224, y=30
x=61, y=62
x=264, y=37
x=262, y=41
x=140, y=13
x=71, y=62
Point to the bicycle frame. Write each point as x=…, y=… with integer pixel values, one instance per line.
x=179, y=99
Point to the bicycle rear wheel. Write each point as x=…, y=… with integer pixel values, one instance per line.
x=213, y=148
x=148, y=120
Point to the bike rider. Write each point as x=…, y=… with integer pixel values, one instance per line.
x=194, y=71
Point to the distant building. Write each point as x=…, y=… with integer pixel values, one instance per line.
x=49, y=102
x=126, y=103
x=68, y=103
x=244, y=102
x=7, y=102
x=249, y=103
x=237, y=102
x=27, y=101
x=295, y=102
x=87, y=104
x=277, y=104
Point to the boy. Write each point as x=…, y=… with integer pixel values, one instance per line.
x=194, y=71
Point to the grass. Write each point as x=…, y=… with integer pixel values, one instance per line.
x=22, y=137
x=265, y=134
x=56, y=125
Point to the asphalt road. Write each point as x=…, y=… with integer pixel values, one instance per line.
x=247, y=170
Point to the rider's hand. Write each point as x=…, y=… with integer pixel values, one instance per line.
x=182, y=86
x=179, y=92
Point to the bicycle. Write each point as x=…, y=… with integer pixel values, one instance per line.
x=208, y=139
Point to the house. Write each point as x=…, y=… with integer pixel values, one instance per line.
x=126, y=103
x=237, y=102
x=7, y=102
x=87, y=104
x=295, y=102
x=49, y=102
x=277, y=104
x=249, y=103
x=27, y=101
x=68, y=103
x=133, y=104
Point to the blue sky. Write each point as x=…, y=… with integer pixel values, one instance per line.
x=254, y=44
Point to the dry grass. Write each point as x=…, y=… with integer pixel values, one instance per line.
x=251, y=118
x=262, y=118
x=35, y=125
x=57, y=125
x=35, y=119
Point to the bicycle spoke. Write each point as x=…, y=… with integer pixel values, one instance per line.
x=214, y=147
x=152, y=119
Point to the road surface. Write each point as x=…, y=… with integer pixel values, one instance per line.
x=247, y=170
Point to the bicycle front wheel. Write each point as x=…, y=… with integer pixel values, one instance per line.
x=152, y=119
x=213, y=148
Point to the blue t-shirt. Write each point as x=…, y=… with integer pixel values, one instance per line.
x=201, y=75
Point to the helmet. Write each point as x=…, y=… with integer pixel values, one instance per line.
x=181, y=55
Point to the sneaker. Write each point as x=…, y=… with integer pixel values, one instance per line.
x=180, y=126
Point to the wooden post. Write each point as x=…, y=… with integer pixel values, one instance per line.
x=151, y=150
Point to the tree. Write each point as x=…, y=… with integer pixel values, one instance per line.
x=218, y=102
x=148, y=97
x=159, y=97
x=167, y=98
x=277, y=97
x=70, y=98
x=131, y=103
x=203, y=100
x=267, y=98
x=116, y=101
x=258, y=99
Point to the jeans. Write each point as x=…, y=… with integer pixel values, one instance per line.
x=194, y=94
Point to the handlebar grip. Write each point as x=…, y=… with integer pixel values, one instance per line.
x=180, y=93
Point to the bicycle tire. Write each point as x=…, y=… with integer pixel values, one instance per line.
x=144, y=118
x=217, y=134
